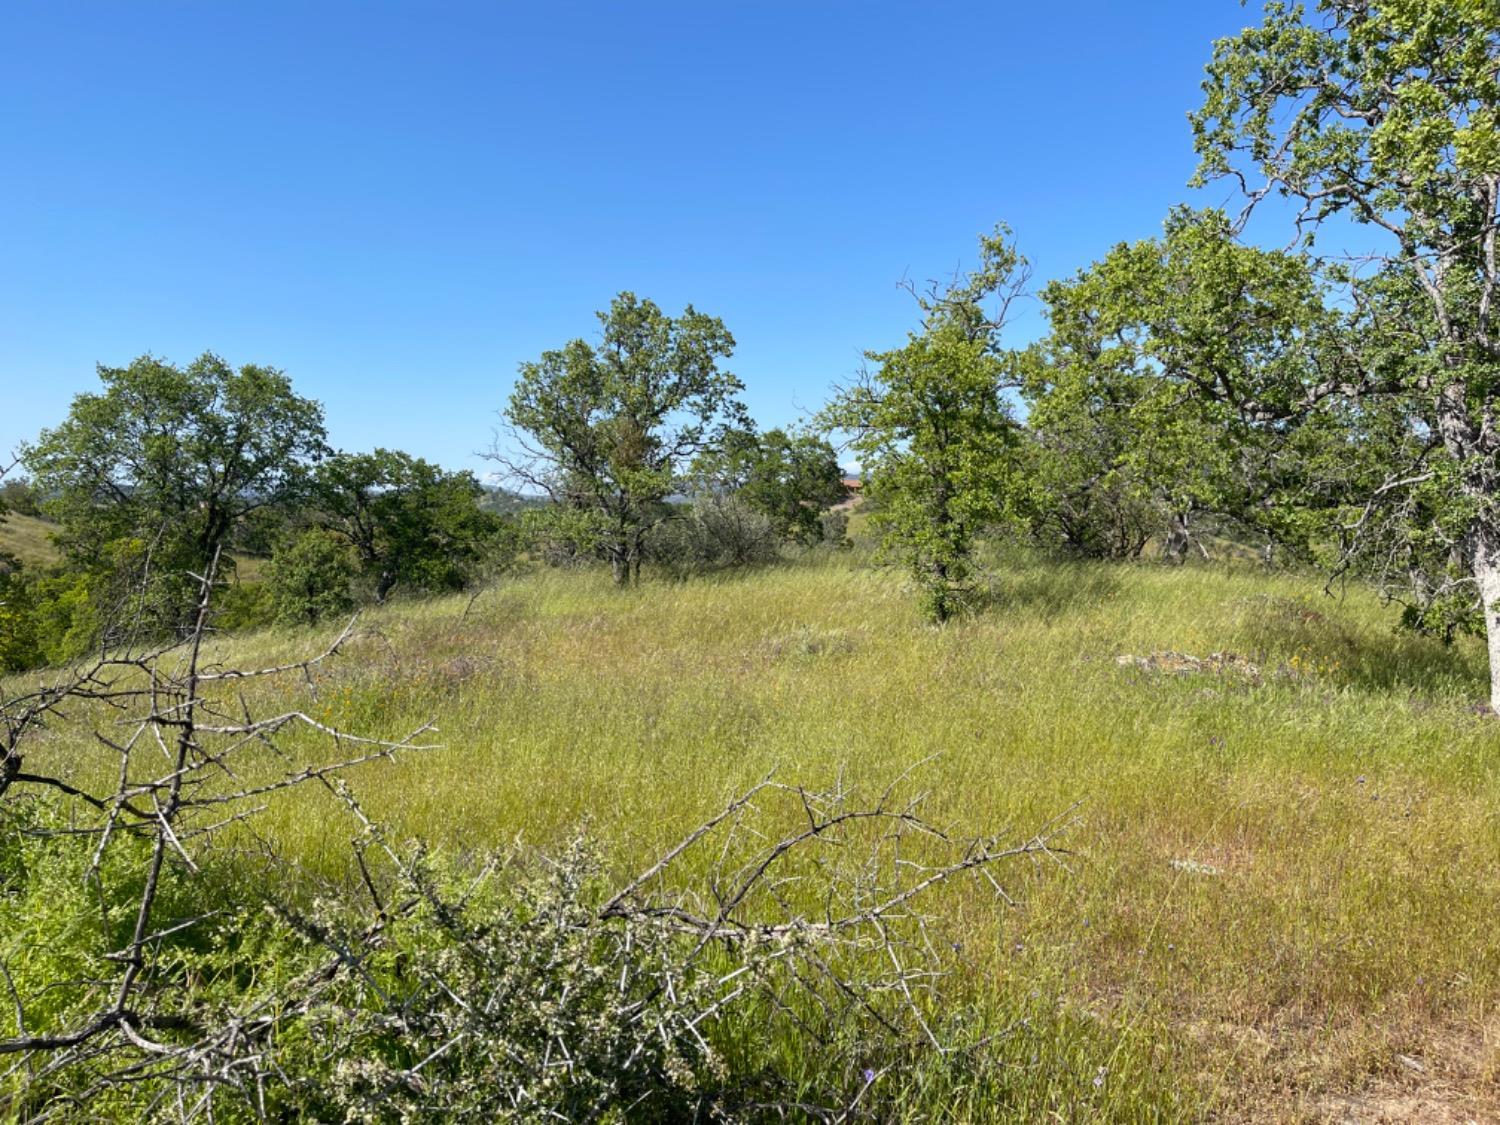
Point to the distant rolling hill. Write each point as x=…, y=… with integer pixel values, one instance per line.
x=28, y=538
x=504, y=502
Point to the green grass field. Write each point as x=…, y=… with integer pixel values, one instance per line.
x=1282, y=890
x=28, y=538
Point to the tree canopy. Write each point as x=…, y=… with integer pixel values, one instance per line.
x=609, y=428
x=936, y=437
x=1169, y=385
x=1389, y=114
x=407, y=520
x=790, y=479
x=174, y=456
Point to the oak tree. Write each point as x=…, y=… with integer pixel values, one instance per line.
x=935, y=434
x=1157, y=398
x=1387, y=113
x=608, y=428
x=791, y=479
x=408, y=521
x=174, y=457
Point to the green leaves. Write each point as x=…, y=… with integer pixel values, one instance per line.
x=408, y=521
x=1387, y=110
x=311, y=578
x=175, y=456
x=1244, y=326
x=789, y=479
x=611, y=427
x=936, y=439
x=149, y=479
x=1174, y=368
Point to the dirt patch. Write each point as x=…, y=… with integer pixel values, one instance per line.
x=1291, y=1069
x=1388, y=1104
x=1183, y=664
x=1451, y=1081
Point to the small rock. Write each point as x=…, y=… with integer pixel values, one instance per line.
x=1412, y=1064
x=1193, y=867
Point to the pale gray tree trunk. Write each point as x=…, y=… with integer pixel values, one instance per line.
x=1487, y=577
x=1178, y=538
x=1465, y=443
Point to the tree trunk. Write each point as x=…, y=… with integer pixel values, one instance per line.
x=1178, y=538
x=1487, y=577
x=1463, y=441
x=940, y=605
x=637, y=553
x=384, y=585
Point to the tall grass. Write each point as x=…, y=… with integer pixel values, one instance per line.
x=28, y=538
x=1284, y=875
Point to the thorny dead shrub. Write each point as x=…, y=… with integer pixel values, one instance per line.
x=495, y=998
x=485, y=990
x=155, y=986
x=124, y=1010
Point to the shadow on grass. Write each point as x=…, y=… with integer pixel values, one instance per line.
x=1303, y=637
x=1047, y=588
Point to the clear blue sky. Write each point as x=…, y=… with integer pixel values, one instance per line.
x=397, y=203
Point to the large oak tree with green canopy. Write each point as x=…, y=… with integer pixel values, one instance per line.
x=607, y=429
x=1387, y=113
x=174, y=457
x=408, y=521
x=1171, y=384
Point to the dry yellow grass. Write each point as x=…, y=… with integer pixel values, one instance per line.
x=28, y=538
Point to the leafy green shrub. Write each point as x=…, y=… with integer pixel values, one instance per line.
x=18, y=644
x=17, y=495
x=55, y=616
x=833, y=530
x=67, y=617
x=310, y=578
x=560, y=536
x=46, y=618
x=244, y=605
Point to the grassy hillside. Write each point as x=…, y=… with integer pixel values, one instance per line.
x=30, y=540
x=27, y=538
x=1281, y=895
